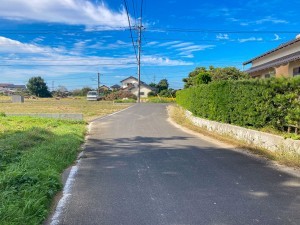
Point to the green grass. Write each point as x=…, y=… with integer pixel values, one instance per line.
x=33, y=154
x=89, y=109
x=161, y=100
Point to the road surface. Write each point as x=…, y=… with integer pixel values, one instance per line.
x=138, y=169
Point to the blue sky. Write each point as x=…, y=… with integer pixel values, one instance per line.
x=68, y=42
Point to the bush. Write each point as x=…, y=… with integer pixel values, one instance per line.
x=120, y=95
x=250, y=103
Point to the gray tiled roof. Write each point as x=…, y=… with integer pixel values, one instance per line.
x=276, y=62
x=273, y=50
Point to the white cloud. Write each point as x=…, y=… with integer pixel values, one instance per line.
x=183, y=44
x=163, y=61
x=250, y=39
x=222, y=36
x=270, y=19
x=277, y=38
x=194, y=48
x=72, y=12
x=169, y=43
x=23, y=59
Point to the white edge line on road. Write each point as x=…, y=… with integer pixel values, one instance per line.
x=55, y=220
x=66, y=194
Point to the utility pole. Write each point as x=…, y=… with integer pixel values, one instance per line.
x=139, y=58
x=98, y=84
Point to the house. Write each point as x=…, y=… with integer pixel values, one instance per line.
x=104, y=88
x=281, y=61
x=131, y=84
x=115, y=87
x=11, y=88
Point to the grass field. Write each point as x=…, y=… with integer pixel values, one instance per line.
x=35, y=151
x=90, y=109
x=33, y=154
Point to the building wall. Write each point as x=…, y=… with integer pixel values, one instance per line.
x=283, y=70
x=278, y=54
x=144, y=89
x=263, y=73
x=127, y=81
x=292, y=66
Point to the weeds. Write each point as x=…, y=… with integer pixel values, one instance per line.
x=287, y=158
x=33, y=153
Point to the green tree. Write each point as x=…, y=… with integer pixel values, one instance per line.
x=202, y=75
x=228, y=73
x=38, y=87
x=162, y=85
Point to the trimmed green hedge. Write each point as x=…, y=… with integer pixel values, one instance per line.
x=250, y=103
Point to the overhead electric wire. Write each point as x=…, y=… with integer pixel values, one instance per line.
x=129, y=23
x=197, y=30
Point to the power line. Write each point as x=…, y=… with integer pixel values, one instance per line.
x=196, y=30
x=126, y=8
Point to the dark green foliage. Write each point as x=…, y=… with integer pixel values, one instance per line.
x=250, y=103
x=37, y=86
x=162, y=85
x=202, y=75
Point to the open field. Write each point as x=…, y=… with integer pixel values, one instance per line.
x=33, y=154
x=89, y=109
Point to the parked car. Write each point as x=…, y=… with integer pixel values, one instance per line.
x=92, y=96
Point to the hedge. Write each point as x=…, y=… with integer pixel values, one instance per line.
x=251, y=103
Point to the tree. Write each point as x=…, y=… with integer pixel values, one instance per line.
x=38, y=87
x=162, y=85
x=202, y=75
x=228, y=73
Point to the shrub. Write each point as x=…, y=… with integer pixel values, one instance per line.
x=251, y=103
x=120, y=95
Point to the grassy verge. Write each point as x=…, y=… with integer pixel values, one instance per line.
x=177, y=114
x=160, y=100
x=33, y=154
x=89, y=109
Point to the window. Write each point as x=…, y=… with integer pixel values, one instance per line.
x=296, y=71
x=267, y=75
x=142, y=93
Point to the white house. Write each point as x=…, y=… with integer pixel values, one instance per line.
x=281, y=61
x=131, y=84
x=11, y=88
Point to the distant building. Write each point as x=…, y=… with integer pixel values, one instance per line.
x=115, y=87
x=11, y=88
x=131, y=84
x=104, y=88
x=283, y=61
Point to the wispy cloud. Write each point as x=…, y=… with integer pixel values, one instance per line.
x=169, y=43
x=250, y=39
x=222, y=37
x=72, y=12
x=20, y=59
x=277, y=37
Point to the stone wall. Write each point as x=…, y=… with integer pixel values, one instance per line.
x=251, y=137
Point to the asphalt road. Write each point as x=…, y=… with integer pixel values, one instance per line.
x=138, y=169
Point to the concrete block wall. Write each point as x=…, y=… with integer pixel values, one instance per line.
x=252, y=137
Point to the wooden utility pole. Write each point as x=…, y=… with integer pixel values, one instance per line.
x=139, y=59
x=98, y=84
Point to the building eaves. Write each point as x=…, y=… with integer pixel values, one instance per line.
x=131, y=77
x=273, y=50
x=276, y=62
